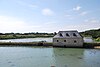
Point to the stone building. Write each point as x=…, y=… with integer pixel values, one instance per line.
x=68, y=39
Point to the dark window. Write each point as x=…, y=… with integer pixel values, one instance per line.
x=74, y=34
x=67, y=34
x=57, y=40
x=60, y=34
x=64, y=40
x=75, y=41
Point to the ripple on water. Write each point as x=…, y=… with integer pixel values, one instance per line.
x=13, y=65
x=9, y=62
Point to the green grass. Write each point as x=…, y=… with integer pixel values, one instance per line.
x=22, y=36
x=25, y=44
x=97, y=39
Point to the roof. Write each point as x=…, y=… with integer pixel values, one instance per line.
x=68, y=34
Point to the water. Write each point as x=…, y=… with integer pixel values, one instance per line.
x=47, y=57
x=38, y=39
x=28, y=40
x=88, y=39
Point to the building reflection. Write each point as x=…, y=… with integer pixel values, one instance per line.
x=68, y=57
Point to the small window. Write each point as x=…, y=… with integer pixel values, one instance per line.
x=57, y=40
x=67, y=34
x=75, y=41
x=60, y=34
x=64, y=40
x=74, y=34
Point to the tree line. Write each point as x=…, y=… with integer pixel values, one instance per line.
x=95, y=33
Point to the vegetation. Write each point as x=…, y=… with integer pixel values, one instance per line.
x=94, y=33
x=25, y=44
x=97, y=39
x=45, y=44
x=24, y=35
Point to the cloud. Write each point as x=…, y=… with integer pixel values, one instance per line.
x=67, y=15
x=11, y=24
x=83, y=13
x=85, y=25
x=90, y=24
x=92, y=21
x=50, y=23
x=77, y=8
x=47, y=12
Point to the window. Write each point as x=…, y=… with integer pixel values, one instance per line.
x=74, y=34
x=75, y=41
x=64, y=40
x=67, y=34
x=60, y=34
x=57, y=40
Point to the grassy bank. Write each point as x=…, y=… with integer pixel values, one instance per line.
x=85, y=45
x=22, y=36
x=97, y=39
x=25, y=44
x=90, y=45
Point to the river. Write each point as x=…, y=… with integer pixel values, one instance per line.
x=47, y=57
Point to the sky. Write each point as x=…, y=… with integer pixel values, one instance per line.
x=20, y=16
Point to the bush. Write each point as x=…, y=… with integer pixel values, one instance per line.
x=98, y=39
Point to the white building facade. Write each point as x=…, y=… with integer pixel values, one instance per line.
x=68, y=39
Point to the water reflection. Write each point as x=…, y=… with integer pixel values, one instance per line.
x=47, y=57
x=68, y=57
x=92, y=57
x=76, y=57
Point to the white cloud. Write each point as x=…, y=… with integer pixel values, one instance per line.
x=10, y=24
x=86, y=25
x=83, y=13
x=50, y=23
x=47, y=12
x=67, y=15
x=92, y=21
x=90, y=24
x=77, y=8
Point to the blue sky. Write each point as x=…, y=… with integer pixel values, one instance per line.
x=49, y=15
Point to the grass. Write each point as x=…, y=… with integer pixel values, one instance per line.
x=25, y=44
x=45, y=44
x=97, y=39
x=22, y=36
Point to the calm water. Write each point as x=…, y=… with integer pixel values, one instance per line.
x=28, y=40
x=47, y=57
x=37, y=40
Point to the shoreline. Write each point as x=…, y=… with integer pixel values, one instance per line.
x=47, y=44
x=23, y=38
